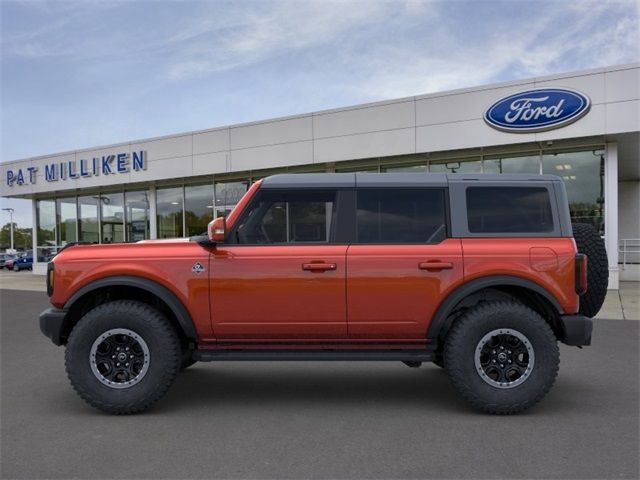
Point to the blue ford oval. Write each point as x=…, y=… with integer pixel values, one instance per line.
x=537, y=110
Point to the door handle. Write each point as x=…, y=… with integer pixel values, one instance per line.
x=435, y=266
x=319, y=267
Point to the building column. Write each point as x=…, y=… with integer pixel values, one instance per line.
x=38, y=268
x=611, y=213
x=153, y=226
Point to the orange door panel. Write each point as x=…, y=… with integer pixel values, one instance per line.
x=288, y=292
x=393, y=290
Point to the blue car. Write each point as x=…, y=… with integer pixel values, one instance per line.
x=25, y=262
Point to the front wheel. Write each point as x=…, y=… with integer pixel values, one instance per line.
x=16, y=268
x=122, y=356
x=502, y=357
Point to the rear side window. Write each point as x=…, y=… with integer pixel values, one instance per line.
x=401, y=216
x=509, y=210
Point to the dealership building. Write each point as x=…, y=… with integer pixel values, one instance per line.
x=582, y=126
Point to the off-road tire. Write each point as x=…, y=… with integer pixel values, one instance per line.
x=589, y=242
x=164, y=356
x=464, y=337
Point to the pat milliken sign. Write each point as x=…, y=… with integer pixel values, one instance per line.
x=537, y=110
x=117, y=163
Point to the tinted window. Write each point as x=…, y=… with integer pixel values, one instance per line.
x=401, y=216
x=288, y=217
x=509, y=210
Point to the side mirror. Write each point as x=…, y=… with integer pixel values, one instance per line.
x=217, y=229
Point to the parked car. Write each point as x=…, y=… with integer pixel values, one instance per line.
x=6, y=257
x=23, y=262
x=481, y=274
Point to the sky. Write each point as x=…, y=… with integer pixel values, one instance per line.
x=79, y=74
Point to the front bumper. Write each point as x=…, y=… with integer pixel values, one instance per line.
x=52, y=322
x=577, y=330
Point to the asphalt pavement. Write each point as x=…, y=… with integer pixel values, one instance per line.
x=316, y=420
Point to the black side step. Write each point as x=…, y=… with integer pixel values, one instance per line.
x=313, y=355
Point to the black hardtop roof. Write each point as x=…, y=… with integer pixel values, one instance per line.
x=406, y=179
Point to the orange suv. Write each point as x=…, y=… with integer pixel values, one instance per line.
x=480, y=274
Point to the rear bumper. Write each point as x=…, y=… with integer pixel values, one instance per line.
x=577, y=330
x=52, y=324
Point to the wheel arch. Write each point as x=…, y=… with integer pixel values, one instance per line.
x=135, y=288
x=535, y=296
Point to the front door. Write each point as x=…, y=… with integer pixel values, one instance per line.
x=281, y=275
x=402, y=263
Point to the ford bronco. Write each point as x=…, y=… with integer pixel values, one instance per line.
x=480, y=274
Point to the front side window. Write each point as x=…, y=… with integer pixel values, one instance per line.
x=401, y=216
x=288, y=217
x=509, y=210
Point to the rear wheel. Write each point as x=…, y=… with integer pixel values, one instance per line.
x=122, y=356
x=502, y=357
x=591, y=244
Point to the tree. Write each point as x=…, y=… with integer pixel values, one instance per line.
x=21, y=237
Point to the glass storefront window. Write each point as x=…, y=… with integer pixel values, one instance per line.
x=528, y=164
x=169, y=212
x=136, y=215
x=112, y=217
x=457, y=166
x=198, y=208
x=67, y=220
x=584, y=180
x=406, y=168
x=46, y=229
x=88, y=226
x=227, y=194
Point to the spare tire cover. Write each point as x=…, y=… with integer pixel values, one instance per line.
x=591, y=244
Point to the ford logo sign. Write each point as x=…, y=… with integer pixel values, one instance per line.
x=537, y=110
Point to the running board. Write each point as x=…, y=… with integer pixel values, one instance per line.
x=313, y=355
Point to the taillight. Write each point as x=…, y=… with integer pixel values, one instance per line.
x=581, y=273
x=51, y=273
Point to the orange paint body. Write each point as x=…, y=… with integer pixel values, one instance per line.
x=319, y=294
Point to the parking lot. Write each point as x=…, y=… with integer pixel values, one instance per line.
x=318, y=420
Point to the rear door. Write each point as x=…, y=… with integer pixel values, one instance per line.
x=401, y=264
x=282, y=276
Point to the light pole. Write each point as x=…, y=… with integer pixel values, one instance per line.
x=10, y=210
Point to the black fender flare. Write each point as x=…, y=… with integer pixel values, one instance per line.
x=441, y=321
x=167, y=296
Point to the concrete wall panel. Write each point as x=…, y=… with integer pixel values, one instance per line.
x=623, y=117
x=367, y=145
x=467, y=106
x=213, y=141
x=366, y=119
x=209, y=163
x=165, y=147
x=622, y=85
x=298, y=153
x=592, y=85
x=176, y=167
x=469, y=134
x=271, y=133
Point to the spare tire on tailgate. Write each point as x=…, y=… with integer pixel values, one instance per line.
x=589, y=242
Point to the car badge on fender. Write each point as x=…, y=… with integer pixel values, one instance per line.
x=197, y=268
